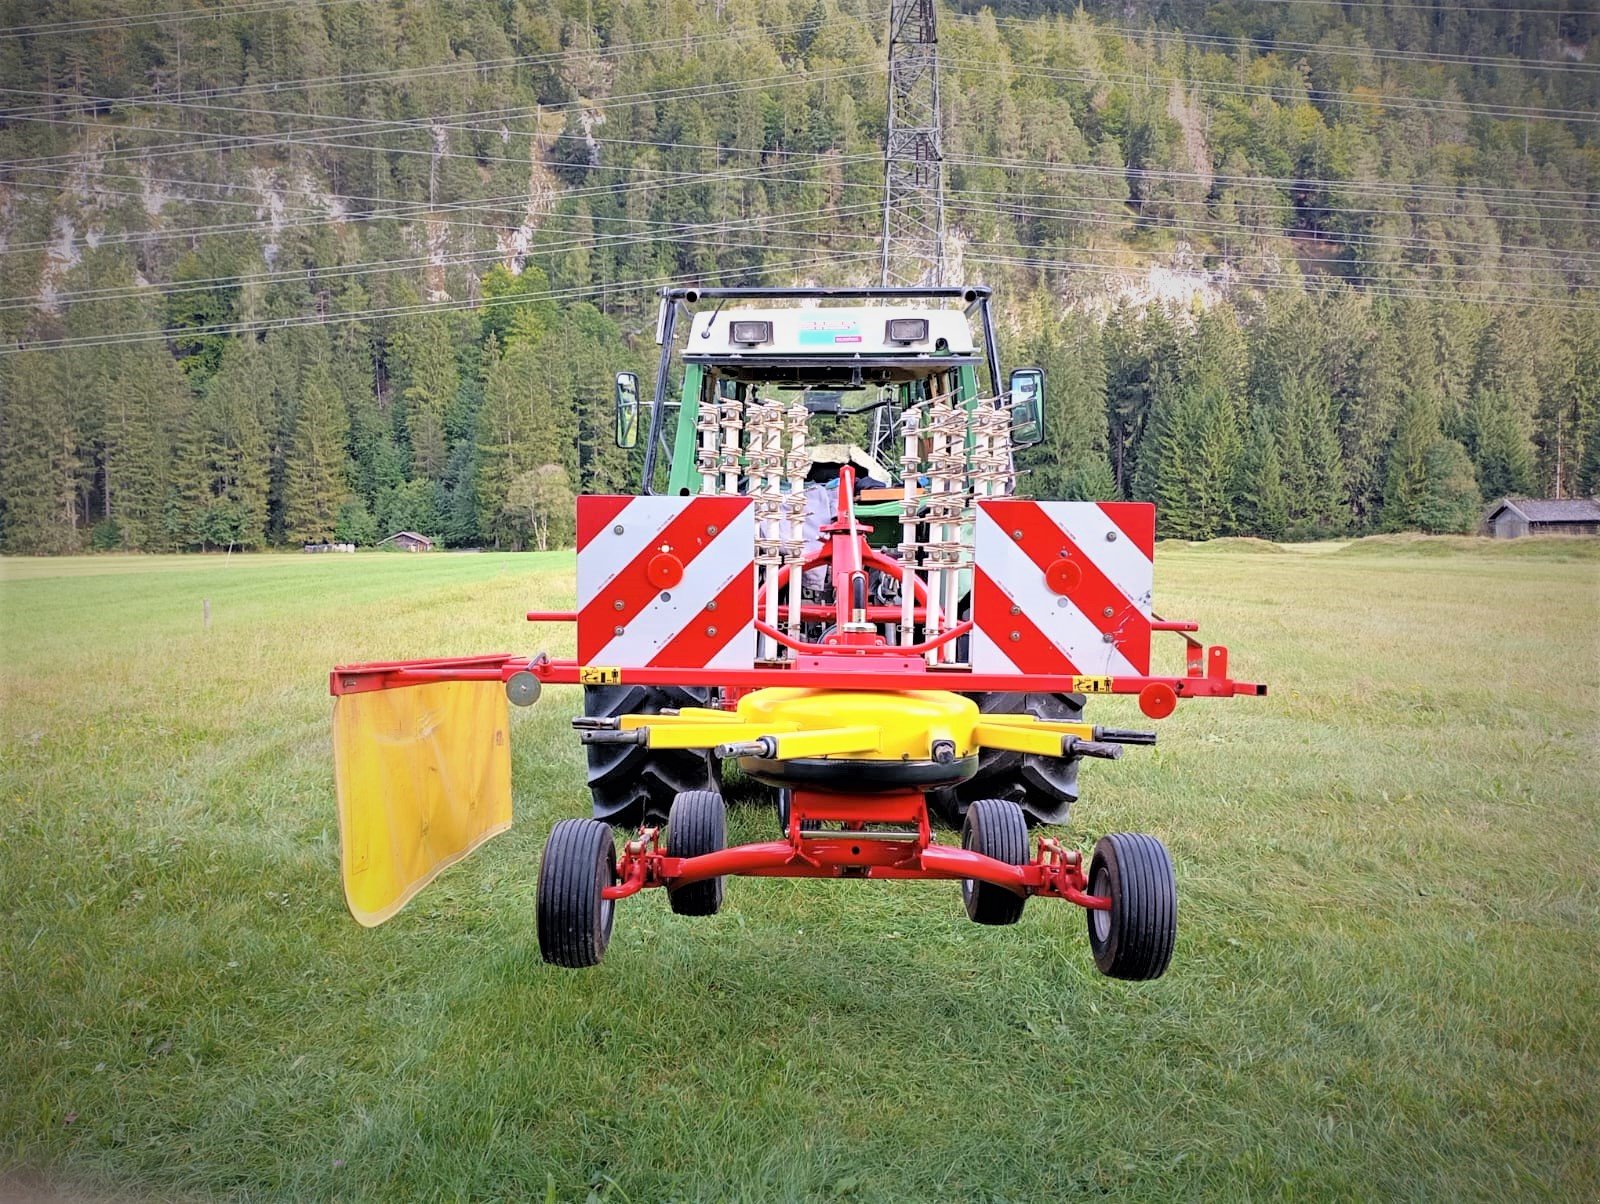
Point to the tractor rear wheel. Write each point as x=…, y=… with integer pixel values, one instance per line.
x=1134, y=939
x=996, y=828
x=574, y=918
x=697, y=825
x=631, y=784
x=1044, y=787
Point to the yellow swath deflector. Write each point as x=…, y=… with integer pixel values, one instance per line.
x=424, y=778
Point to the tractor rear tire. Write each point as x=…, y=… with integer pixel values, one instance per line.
x=996, y=828
x=697, y=825
x=574, y=919
x=630, y=784
x=1134, y=939
x=1044, y=787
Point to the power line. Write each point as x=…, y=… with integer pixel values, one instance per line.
x=1276, y=44
x=398, y=75
x=1367, y=279
x=472, y=121
x=1089, y=215
x=268, y=324
x=691, y=231
x=170, y=17
x=1374, y=100
x=1300, y=285
x=1401, y=190
x=422, y=210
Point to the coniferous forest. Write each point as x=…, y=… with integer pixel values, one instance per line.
x=284, y=271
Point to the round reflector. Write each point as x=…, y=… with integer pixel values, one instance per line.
x=1063, y=576
x=664, y=570
x=1158, y=700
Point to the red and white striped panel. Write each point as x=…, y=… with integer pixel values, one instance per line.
x=668, y=582
x=1063, y=587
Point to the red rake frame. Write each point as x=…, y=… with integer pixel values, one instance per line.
x=854, y=659
x=856, y=851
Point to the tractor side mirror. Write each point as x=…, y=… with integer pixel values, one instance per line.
x=1027, y=406
x=627, y=409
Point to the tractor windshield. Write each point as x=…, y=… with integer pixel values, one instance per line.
x=853, y=361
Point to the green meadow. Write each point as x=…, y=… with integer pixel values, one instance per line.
x=1385, y=986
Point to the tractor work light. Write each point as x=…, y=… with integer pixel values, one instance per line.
x=907, y=330
x=752, y=332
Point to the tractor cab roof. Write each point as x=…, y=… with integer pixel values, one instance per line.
x=836, y=346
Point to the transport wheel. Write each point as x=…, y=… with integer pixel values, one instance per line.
x=996, y=828
x=631, y=784
x=697, y=824
x=783, y=802
x=1134, y=939
x=1044, y=787
x=574, y=920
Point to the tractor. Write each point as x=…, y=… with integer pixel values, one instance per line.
x=828, y=579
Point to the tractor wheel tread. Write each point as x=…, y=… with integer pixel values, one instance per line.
x=697, y=824
x=1044, y=787
x=573, y=918
x=1142, y=925
x=631, y=785
x=996, y=828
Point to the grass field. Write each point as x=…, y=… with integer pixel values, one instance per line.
x=1385, y=986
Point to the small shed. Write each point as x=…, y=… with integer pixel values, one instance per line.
x=407, y=541
x=1511, y=517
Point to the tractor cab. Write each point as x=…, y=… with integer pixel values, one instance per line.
x=786, y=390
x=856, y=360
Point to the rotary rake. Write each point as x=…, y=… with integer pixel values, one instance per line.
x=874, y=687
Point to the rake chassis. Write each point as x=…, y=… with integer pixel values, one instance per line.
x=853, y=732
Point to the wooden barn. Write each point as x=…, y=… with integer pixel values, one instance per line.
x=1511, y=517
x=407, y=541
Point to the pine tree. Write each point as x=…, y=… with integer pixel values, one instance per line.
x=1072, y=462
x=1313, y=471
x=1449, y=503
x=1406, y=471
x=1588, y=475
x=423, y=357
x=142, y=416
x=1190, y=463
x=39, y=464
x=506, y=432
x=1263, y=500
x=221, y=470
x=1369, y=409
x=1500, y=450
x=317, y=482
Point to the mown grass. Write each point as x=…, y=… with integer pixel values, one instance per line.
x=1385, y=984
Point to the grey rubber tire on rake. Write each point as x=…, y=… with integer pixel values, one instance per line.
x=996, y=828
x=1134, y=939
x=630, y=784
x=1044, y=787
x=696, y=825
x=574, y=920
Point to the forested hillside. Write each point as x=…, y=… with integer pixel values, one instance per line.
x=291, y=270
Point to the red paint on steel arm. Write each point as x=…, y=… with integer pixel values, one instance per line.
x=388, y=675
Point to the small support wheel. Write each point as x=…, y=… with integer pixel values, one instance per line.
x=697, y=824
x=996, y=828
x=1134, y=939
x=784, y=804
x=574, y=919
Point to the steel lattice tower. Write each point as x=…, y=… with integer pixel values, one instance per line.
x=913, y=163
